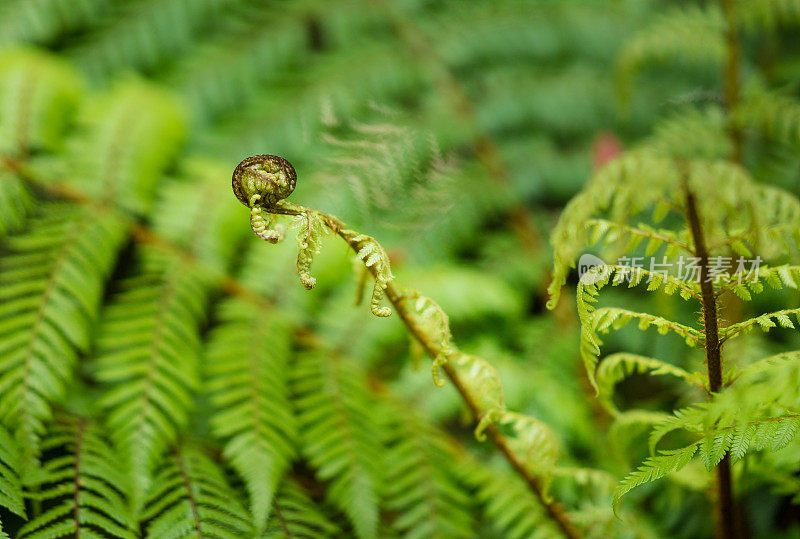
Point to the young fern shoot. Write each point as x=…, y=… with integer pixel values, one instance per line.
x=526, y=443
x=718, y=227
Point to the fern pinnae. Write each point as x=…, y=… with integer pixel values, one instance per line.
x=340, y=435
x=654, y=468
x=190, y=497
x=66, y=259
x=693, y=35
x=376, y=261
x=420, y=475
x=248, y=386
x=11, y=495
x=614, y=368
x=764, y=365
x=764, y=322
x=147, y=359
x=294, y=515
x=509, y=506
x=87, y=490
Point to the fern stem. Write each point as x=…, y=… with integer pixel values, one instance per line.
x=554, y=509
x=726, y=526
x=732, y=77
x=190, y=494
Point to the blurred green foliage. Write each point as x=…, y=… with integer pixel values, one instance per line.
x=162, y=373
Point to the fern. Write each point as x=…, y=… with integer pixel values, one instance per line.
x=692, y=35
x=190, y=497
x=51, y=281
x=295, y=515
x=10, y=477
x=45, y=20
x=38, y=96
x=247, y=376
x=616, y=367
x=128, y=136
x=510, y=507
x=422, y=488
x=149, y=318
x=340, y=436
x=147, y=359
x=84, y=487
x=654, y=468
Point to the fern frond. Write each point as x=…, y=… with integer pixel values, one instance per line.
x=693, y=36
x=340, y=436
x=693, y=134
x=511, y=509
x=51, y=282
x=421, y=488
x=533, y=442
x=10, y=474
x=190, y=213
x=191, y=497
x=483, y=384
x=82, y=484
x=44, y=21
x=310, y=231
x=721, y=428
x=745, y=283
x=147, y=358
x=595, y=322
x=764, y=365
x=765, y=322
x=610, y=232
x=16, y=202
x=294, y=514
x=127, y=136
x=769, y=14
x=224, y=73
x=653, y=468
x=143, y=34
x=617, y=367
x=38, y=98
x=630, y=419
x=776, y=115
x=624, y=188
x=247, y=378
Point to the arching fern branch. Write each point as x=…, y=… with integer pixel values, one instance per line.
x=477, y=383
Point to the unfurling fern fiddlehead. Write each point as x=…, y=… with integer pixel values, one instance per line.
x=262, y=182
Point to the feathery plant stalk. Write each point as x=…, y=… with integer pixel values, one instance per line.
x=710, y=209
x=726, y=514
x=260, y=183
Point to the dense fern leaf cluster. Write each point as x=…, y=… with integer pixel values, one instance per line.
x=161, y=374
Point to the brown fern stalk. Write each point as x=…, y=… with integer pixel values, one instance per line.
x=431, y=345
x=726, y=516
